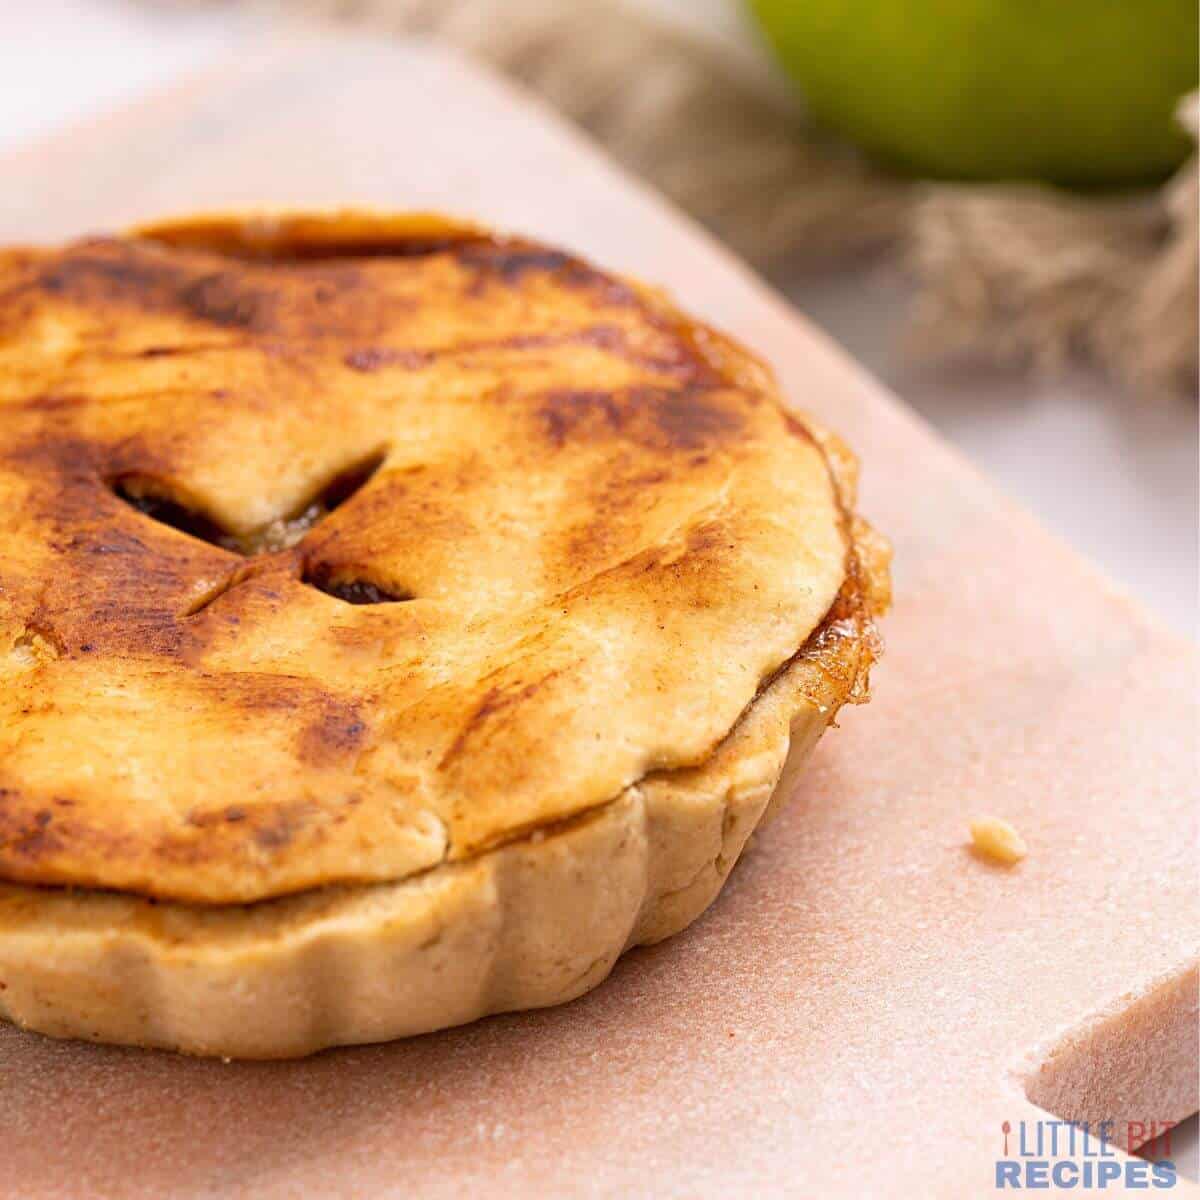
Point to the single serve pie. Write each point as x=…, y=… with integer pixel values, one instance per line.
x=397, y=622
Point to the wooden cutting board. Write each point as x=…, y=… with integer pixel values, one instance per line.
x=862, y=971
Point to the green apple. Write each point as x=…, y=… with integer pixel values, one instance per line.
x=1078, y=92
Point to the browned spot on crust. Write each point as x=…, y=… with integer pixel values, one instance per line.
x=111, y=271
x=510, y=262
x=106, y=273
x=609, y=338
x=225, y=299
x=495, y=701
x=337, y=732
x=270, y=827
x=60, y=453
x=106, y=269
x=563, y=413
x=50, y=403
x=233, y=814
x=660, y=419
x=282, y=825
x=30, y=847
x=375, y=358
x=615, y=502
x=28, y=838
x=693, y=419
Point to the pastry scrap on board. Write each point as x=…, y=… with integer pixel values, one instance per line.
x=398, y=621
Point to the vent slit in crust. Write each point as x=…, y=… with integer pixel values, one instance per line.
x=158, y=500
x=351, y=589
x=153, y=499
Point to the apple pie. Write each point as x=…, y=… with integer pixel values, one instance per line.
x=398, y=621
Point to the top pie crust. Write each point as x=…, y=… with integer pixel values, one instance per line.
x=600, y=535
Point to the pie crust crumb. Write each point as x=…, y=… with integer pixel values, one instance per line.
x=997, y=840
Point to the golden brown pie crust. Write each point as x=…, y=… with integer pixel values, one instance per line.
x=376, y=589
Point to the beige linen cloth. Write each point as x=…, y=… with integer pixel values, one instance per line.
x=1009, y=275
